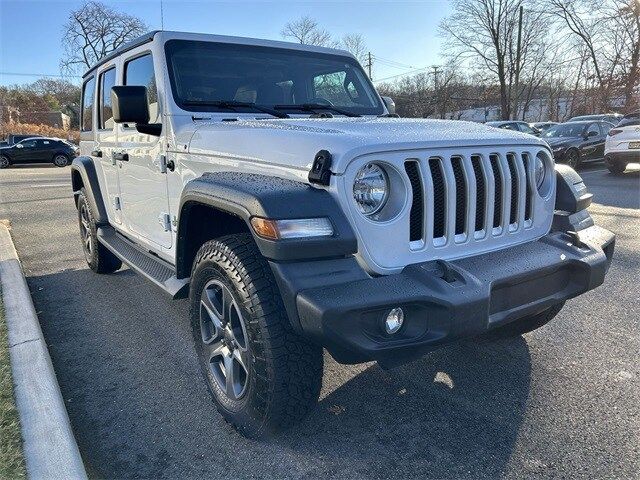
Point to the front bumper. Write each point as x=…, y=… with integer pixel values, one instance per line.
x=343, y=309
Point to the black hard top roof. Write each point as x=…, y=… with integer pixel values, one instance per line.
x=136, y=42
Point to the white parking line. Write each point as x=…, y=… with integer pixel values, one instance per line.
x=56, y=185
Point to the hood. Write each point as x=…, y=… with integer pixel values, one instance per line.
x=295, y=142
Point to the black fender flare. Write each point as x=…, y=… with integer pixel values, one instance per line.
x=247, y=195
x=85, y=167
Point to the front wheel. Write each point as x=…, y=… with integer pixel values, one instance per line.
x=262, y=375
x=4, y=161
x=61, y=160
x=573, y=158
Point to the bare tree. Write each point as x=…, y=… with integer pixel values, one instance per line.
x=354, y=43
x=92, y=32
x=307, y=31
x=484, y=34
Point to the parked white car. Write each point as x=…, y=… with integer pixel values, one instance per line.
x=269, y=183
x=622, y=145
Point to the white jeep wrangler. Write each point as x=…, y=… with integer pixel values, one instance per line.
x=270, y=183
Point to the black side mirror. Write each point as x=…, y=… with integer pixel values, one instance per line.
x=129, y=104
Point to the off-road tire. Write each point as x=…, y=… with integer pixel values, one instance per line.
x=616, y=168
x=4, y=161
x=98, y=257
x=525, y=325
x=284, y=374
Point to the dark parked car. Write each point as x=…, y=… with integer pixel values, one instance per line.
x=576, y=142
x=515, y=125
x=38, y=150
x=604, y=117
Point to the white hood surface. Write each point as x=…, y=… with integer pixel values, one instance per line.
x=294, y=142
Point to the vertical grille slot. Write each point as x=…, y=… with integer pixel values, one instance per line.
x=461, y=194
x=439, y=200
x=513, y=170
x=497, y=175
x=476, y=162
x=526, y=160
x=416, y=215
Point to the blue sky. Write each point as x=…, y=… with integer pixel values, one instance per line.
x=402, y=31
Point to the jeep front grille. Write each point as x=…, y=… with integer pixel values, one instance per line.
x=458, y=197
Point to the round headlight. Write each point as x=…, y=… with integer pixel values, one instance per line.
x=371, y=189
x=540, y=171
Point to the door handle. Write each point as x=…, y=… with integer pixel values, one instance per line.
x=96, y=153
x=123, y=157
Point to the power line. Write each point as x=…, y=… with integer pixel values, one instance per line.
x=24, y=74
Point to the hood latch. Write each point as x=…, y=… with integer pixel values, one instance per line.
x=321, y=170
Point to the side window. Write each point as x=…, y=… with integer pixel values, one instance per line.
x=88, y=92
x=43, y=143
x=28, y=143
x=139, y=71
x=593, y=128
x=605, y=127
x=105, y=114
x=510, y=126
x=526, y=128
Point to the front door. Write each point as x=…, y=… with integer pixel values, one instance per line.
x=593, y=143
x=25, y=152
x=143, y=178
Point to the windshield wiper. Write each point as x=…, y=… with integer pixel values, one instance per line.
x=311, y=107
x=233, y=104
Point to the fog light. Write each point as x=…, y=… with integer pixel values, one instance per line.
x=394, y=321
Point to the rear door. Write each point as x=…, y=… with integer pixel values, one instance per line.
x=107, y=140
x=44, y=150
x=143, y=178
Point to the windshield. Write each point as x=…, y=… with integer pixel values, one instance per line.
x=565, y=130
x=202, y=72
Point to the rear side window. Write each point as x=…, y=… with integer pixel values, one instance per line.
x=105, y=114
x=139, y=71
x=88, y=92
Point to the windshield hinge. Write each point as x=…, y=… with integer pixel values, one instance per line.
x=321, y=169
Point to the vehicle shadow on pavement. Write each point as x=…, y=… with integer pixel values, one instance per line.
x=140, y=409
x=454, y=412
x=626, y=193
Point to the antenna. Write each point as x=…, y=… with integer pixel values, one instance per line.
x=161, y=16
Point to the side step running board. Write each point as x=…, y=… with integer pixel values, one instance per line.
x=153, y=268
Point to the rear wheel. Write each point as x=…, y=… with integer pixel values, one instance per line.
x=60, y=160
x=4, y=161
x=616, y=168
x=262, y=375
x=527, y=324
x=99, y=259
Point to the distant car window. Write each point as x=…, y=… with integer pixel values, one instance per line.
x=593, y=128
x=564, y=130
x=88, y=92
x=107, y=80
x=526, y=128
x=43, y=143
x=139, y=71
x=605, y=127
x=509, y=126
x=28, y=143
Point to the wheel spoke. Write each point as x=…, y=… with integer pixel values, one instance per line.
x=242, y=357
x=229, y=374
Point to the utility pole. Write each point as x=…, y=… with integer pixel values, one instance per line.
x=436, y=93
x=518, y=48
x=369, y=65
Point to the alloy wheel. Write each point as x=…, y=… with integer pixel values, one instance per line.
x=60, y=161
x=4, y=162
x=224, y=340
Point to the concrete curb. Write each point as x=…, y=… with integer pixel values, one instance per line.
x=50, y=449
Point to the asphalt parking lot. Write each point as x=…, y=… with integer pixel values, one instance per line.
x=563, y=401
